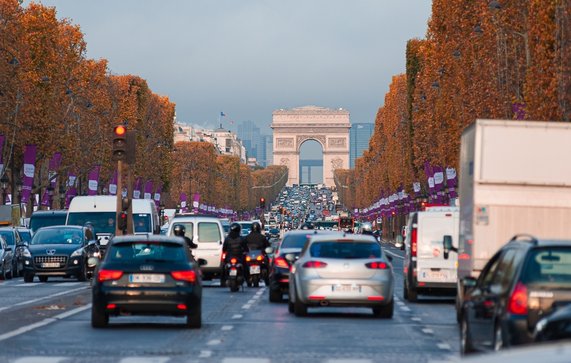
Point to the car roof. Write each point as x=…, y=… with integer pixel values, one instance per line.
x=531, y=243
x=190, y=218
x=40, y=213
x=67, y=226
x=147, y=238
x=343, y=237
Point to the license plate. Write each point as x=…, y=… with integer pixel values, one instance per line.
x=255, y=269
x=50, y=264
x=147, y=278
x=435, y=275
x=346, y=288
x=233, y=272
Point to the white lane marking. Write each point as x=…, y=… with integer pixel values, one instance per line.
x=416, y=318
x=227, y=327
x=144, y=360
x=428, y=331
x=237, y=316
x=444, y=346
x=247, y=306
x=68, y=284
x=250, y=302
x=405, y=308
x=29, y=284
x=400, y=303
x=44, y=298
x=214, y=342
x=33, y=359
x=394, y=254
x=39, y=324
x=205, y=354
x=245, y=360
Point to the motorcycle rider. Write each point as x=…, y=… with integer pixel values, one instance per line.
x=256, y=240
x=180, y=230
x=234, y=245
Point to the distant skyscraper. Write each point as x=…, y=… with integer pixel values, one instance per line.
x=249, y=133
x=360, y=135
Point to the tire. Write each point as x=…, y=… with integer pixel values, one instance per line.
x=222, y=281
x=9, y=274
x=299, y=308
x=275, y=296
x=233, y=285
x=194, y=319
x=28, y=277
x=99, y=317
x=498, y=338
x=256, y=281
x=43, y=278
x=404, y=291
x=466, y=346
x=290, y=307
x=81, y=276
x=385, y=312
x=412, y=294
x=3, y=274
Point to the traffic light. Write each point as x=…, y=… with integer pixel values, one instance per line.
x=262, y=202
x=122, y=221
x=119, y=143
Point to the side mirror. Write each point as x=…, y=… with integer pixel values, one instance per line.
x=92, y=262
x=290, y=257
x=202, y=262
x=269, y=250
x=468, y=282
x=447, y=243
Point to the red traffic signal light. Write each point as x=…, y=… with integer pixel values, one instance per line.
x=262, y=202
x=119, y=143
x=120, y=130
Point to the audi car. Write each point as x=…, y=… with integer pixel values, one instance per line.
x=60, y=251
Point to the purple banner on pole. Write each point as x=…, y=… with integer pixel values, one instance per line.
x=195, y=202
x=430, y=178
x=29, y=172
x=451, y=182
x=93, y=180
x=439, y=183
x=183, y=206
x=137, y=188
x=157, y=196
x=2, y=138
x=71, y=189
x=148, y=190
x=113, y=184
x=55, y=162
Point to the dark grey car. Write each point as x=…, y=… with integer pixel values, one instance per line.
x=5, y=260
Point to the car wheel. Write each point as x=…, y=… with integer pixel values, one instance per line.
x=385, y=312
x=404, y=290
x=222, y=281
x=498, y=338
x=28, y=277
x=43, y=278
x=466, y=346
x=194, y=319
x=99, y=317
x=412, y=294
x=299, y=308
x=81, y=276
x=275, y=296
x=290, y=307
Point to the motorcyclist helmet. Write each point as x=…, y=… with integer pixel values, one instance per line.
x=256, y=227
x=179, y=230
x=366, y=228
x=235, y=228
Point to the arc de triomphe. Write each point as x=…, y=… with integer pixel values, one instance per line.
x=329, y=127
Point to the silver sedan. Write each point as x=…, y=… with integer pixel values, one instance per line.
x=342, y=270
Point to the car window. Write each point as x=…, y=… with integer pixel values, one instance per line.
x=37, y=222
x=295, y=240
x=142, y=222
x=487, y=275
x=504, y=272
x=345, y=250
x=188, y=227
x=548, y=266
x=208, y=232
x=9, y=237
x=57, y=236
x=141, y=252
x=26, y=236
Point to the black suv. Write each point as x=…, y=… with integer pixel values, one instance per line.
x=525, y=281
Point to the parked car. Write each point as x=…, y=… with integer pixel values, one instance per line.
x=5, y=260
x=526, y=280
x=60, y=251
x=556, y=326
x=12, y=238
x=342, y=270
x=147, y=275
x=207, y=233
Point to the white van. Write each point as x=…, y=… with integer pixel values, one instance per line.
x=101, y=212
x=428, y=268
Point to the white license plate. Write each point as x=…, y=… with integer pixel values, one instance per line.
x=50, y=264
x=147, y=278
x=346, y=288
x=435, y=275
x=233, y=272
x=254, y=269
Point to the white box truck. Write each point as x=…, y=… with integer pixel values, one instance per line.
x=515, y=178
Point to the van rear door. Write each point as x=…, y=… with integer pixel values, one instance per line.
x=432, y=267
x=209, y=239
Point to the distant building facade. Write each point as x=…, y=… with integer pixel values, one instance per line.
x=360, y=135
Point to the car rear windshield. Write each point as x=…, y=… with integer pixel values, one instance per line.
x=295, y=240
x=345, y=250
x=37, y=222
x=548, y=266
x=147, y=252
x=208, y=232
x=59, y=236
x=102, y=222
x=8, y=236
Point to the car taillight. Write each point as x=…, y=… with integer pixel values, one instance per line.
x=248, y=258
x=413, y=237
x=188, y=276
x=380, y=265
x=109, y=275
x=259, y=258
x=233, y=261
x=314, y=264
x=281, y=262
x=223, y=256
x=517, y=303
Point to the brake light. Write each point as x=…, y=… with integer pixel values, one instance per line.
x=413, y=238
x=517, y=303
x=223, y=257
x=281, y=262
x=188, y=276
x=259, y=258
x=248, y=258
x=377, y=265
x=109, y=275
x=233, y=261
x=314, y=264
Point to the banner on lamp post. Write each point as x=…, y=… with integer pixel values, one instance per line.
x=55, y=162
x=195, y=202
x=29, y=172
x=183, y=206
x=157, y=196
x=113, y=184
x=71, y=191
x=148, y=190
x=137, y=188
x=93, y=180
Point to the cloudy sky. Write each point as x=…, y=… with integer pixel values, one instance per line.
x=250, y=57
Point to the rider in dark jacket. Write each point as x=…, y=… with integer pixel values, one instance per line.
x=256, y=240
x=180, y=230
x=234, y=245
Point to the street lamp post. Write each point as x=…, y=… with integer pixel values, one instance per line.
x=61, y=196
x=4, y=184
x=50, y=191
x=19, y=186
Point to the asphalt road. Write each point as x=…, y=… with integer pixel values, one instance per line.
x=50, y=322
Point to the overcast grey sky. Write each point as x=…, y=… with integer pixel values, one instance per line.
x=250, y=57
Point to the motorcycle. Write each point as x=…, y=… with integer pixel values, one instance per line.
x=234, y=274
x=257, y=266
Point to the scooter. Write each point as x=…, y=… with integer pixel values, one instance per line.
x=234, y=272
x=257, y=266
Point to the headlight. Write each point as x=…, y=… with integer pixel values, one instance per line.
x=26, y=253
x=77, y=253
x=96, y=254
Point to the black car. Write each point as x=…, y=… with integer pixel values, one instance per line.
x=147, y=275
x=46, y=218
x=5, y=260
x=556, y=326
x=292, y=243
x=525, y=281
x=60, y=251
x=12, y=237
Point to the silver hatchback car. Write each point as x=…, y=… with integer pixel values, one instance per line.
x=342, y=270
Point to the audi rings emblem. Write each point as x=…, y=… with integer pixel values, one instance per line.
x=51, y=252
